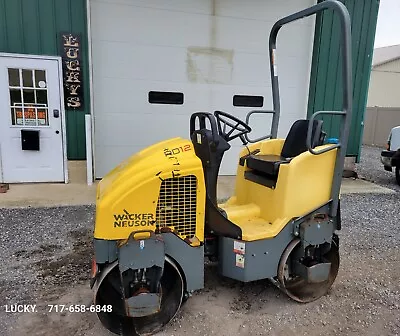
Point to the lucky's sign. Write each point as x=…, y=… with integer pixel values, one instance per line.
x=72, y=70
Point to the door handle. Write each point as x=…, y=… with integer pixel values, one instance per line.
x=56, y=113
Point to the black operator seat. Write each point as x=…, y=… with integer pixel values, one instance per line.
x=294, y=145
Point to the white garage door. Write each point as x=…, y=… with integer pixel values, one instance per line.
x=209, y=51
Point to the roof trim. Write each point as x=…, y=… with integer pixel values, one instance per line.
x=385, y=62
x=384, y=55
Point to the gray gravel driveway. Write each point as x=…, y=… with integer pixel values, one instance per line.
x=371, y=168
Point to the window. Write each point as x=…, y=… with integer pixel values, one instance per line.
x=28, y=97
x=161, y=97
x=248, y=101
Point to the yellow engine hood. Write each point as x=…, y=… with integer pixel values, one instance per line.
x=127, y=196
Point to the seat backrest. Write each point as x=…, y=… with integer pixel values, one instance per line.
x=296, y=140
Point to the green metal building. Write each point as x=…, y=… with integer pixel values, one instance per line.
x=34, y=27
x=326, y=76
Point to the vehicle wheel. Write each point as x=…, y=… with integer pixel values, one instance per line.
x=398, y=174
x=298, y=288
x=108, y=292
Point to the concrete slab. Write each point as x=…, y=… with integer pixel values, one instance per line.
x=77, y=192
x=226, y=187
x=358, y=186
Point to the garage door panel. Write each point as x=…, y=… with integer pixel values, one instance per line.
x=241, y=34
x=222, y=97
x=251, y=69
x=295, y=41
x=188, y=6
x=158, y=63
x=126, y=137
x=260, y=125
x=252, y=36
x=132, y=97
x=132, y=24
x=223, y=100
x=292, y=71
x=265, y=10
x=230, y=160
x=297, y=103
x=150, y=129
x=176, y=46
x=110, y=156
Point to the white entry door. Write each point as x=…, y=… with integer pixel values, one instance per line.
x=31, y=134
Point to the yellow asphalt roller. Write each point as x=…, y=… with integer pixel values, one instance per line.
x=157, y=215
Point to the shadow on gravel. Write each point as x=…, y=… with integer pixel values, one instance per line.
x=70, y=268
x=246, y=297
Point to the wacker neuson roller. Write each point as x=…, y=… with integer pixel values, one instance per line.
x=157, y=215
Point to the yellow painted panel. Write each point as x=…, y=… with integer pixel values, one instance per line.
x=303, y=185
x=258, y=228
x=127, y=197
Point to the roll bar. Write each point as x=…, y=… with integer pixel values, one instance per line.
x=247, y=122
x=344, y=17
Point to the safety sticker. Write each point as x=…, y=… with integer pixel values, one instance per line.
x=198, y=138
x=239, y=247
x=275, y=69
x=240, y=260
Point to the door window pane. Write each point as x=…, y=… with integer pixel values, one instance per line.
x=41, y=97
x=30, y=116
x=13, y=121
x=27, y=78
x=40, y=79
x=28, y=100
x=15, y=96
x=42, y=115
x=29, y=96
x=13, y=77
x=17, y=118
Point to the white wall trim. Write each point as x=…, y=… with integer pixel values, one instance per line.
x=89, y=146
x=1, y=168
x=46, y=57
x=89, y=35
x=62, y=107
x=63, y=119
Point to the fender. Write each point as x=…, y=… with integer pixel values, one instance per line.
x=102, y=275
x=396, y=159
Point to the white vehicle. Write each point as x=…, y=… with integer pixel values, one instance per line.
x=391, y=157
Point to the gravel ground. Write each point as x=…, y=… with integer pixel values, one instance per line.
x=45, y=251
x=46, y=260
x=371, y=168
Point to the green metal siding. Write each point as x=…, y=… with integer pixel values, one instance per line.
x=34, y=27
x=326, y=74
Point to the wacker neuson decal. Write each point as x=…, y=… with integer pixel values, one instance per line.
x=133, y=219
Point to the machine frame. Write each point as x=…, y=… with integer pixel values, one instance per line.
x=146, y=270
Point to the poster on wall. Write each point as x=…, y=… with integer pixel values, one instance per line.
x=72, y=70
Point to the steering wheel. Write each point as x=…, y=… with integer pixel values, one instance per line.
x=226, y=120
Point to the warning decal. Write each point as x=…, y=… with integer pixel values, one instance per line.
x=239, y=247
x=240, y=260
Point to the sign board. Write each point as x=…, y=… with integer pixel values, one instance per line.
x=72, y=70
